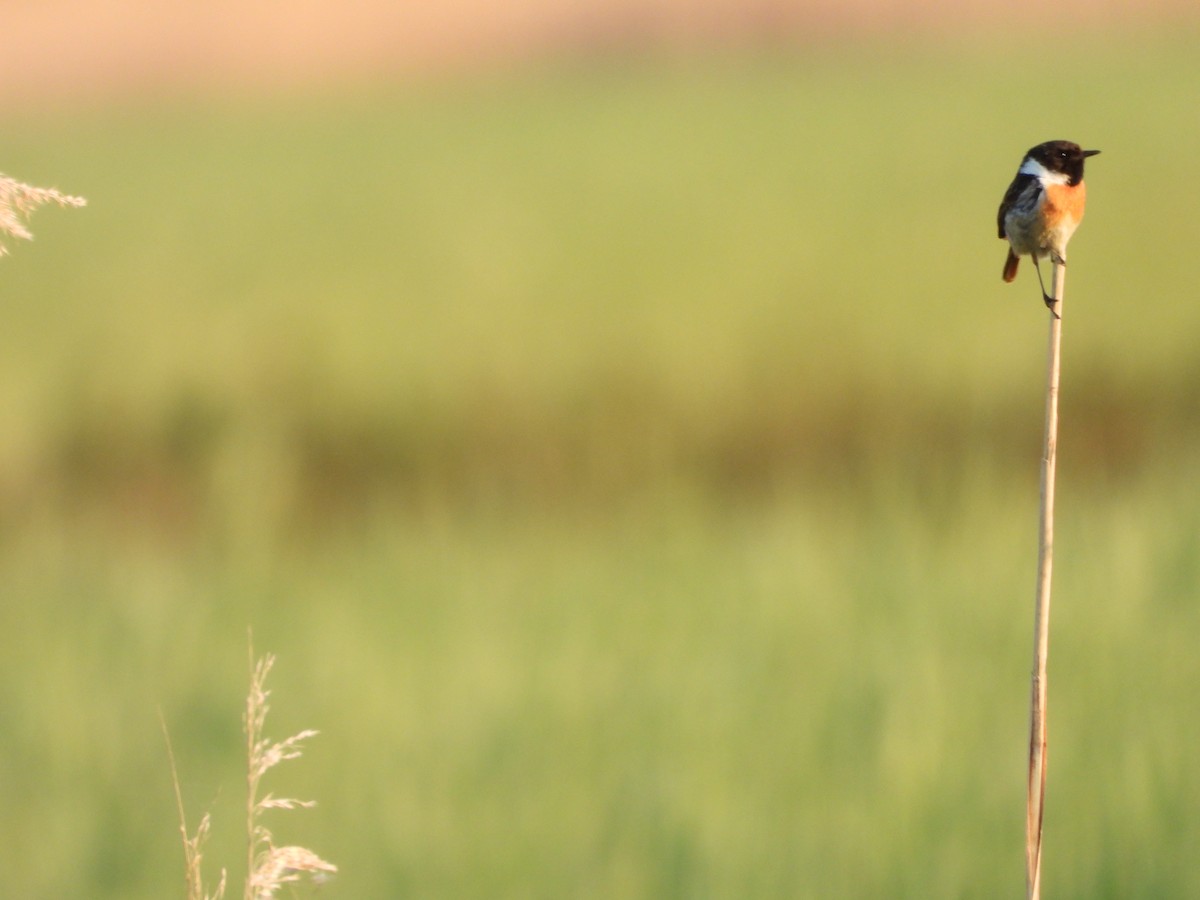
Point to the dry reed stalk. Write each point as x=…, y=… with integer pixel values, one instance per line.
x=1036, y=796
x=17, y=203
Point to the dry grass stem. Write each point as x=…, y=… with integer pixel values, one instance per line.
x=193, y=845
x=17, y=203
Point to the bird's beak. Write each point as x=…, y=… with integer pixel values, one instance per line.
x=1090, y=152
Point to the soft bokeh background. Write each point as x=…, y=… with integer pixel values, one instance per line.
x=613, y=418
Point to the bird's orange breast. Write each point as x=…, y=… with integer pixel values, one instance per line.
x=1064, y=202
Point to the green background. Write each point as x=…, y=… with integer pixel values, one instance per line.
x=633, y=464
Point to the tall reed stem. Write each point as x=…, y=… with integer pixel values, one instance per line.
x=1036, y=797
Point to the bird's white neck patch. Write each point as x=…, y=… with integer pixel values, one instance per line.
x=1032, y=167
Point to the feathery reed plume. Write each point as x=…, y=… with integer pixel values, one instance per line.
x=269, y=866
x=17, y=203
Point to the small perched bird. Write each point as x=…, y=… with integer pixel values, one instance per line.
x=1043, y=206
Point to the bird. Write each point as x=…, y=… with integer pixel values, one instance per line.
x=1043, y=206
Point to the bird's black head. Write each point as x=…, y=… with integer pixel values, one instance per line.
x=1062, y=156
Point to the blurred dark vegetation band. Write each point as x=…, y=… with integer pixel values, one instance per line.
x=308, y=466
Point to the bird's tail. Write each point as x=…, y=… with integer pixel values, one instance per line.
x=1010, y=265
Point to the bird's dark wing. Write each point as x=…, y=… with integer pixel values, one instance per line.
x=1019, y=186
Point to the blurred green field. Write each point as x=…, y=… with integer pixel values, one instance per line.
x=633, y=465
